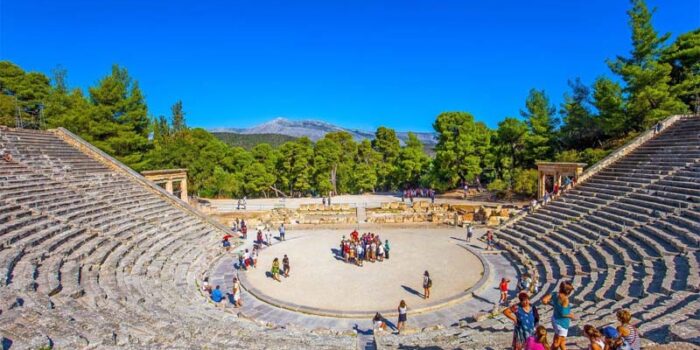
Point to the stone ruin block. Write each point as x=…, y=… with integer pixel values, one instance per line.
x=468, y=217
x=345, y=206
x=394, y=205
x=386, y=205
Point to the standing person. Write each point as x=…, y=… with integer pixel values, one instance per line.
x=628, y=333
x=402, y=316
x=380, y=251
x=427, y=284
x=470, y=232
x=562, y=315
x=246, y=259
x=594, y=336
x=260, y=237
x=324, y=201
x=387, y=248
x=524, y=316
x=285, y=266
x=489, y=240
x=276, y=270
x=504, y=290
x=282, y=232
x=268, y=238
x=360, y=254
x=237, y=302
x=254, y=257
x=538, y=341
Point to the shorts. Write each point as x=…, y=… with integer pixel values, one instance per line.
x=402, y=317
x=559, y=330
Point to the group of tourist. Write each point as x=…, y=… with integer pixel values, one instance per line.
x=217, y=296
x=528, y=334
x=368, y=247
x=418, y=192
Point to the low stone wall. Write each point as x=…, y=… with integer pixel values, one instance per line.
x=448, y=214
x=420, y=212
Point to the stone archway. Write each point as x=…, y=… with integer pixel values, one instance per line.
x=166, y=177
x=556, y=171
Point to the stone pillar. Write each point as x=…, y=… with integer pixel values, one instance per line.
x=183, y=190
x=540, y=185
x=169, y=186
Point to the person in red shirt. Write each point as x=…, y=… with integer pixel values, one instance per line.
x=504, y=290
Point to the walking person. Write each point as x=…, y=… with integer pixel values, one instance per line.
x=402, y=316
x=628, y=333
x=524, y=317
x=387, y=248
x=282, y=232
x=489, y=240
x=562, y=315
x=276, y=270
x=503, y=286
x=427, y=284
x=470, y=232
x=285, y=266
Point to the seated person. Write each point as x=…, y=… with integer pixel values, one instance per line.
x=206, y=287
x=216, y=295
x=378, y=322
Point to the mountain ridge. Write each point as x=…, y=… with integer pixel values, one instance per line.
x=316, y=129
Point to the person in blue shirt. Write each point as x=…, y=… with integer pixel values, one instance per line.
x=562, y=315
x=216, y=295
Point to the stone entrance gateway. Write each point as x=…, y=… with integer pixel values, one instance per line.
x=551, y=173
x=167, y=177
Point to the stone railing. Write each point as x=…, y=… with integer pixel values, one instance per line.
x=114, y=164
x=628, y=147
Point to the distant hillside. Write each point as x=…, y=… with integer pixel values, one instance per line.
x=249, y=141
x=315, y=130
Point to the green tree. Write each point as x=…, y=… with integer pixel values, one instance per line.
x=539, y=117
x=579, y=129
x=462, y=145
x=118, y=122
x=387, y=144
x=295, y=166
x=22, y=96
x=178, y=117
x=649, y=97
x=684, y=58
x=412, y=163
x=365, y=173
x=509, y=147
x=610, y=103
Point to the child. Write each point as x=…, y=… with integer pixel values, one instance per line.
x=538, y=341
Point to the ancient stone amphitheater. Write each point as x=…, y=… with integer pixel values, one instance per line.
x=94, y=256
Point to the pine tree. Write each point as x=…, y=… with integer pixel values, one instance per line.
x=649, y=98
x=539, y=116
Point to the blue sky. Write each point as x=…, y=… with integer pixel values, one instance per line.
x=360, y=64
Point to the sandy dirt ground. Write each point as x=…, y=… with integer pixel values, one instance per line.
x=320, y=279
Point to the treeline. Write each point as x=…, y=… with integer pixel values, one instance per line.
x=248, y=141
x=656, y=80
